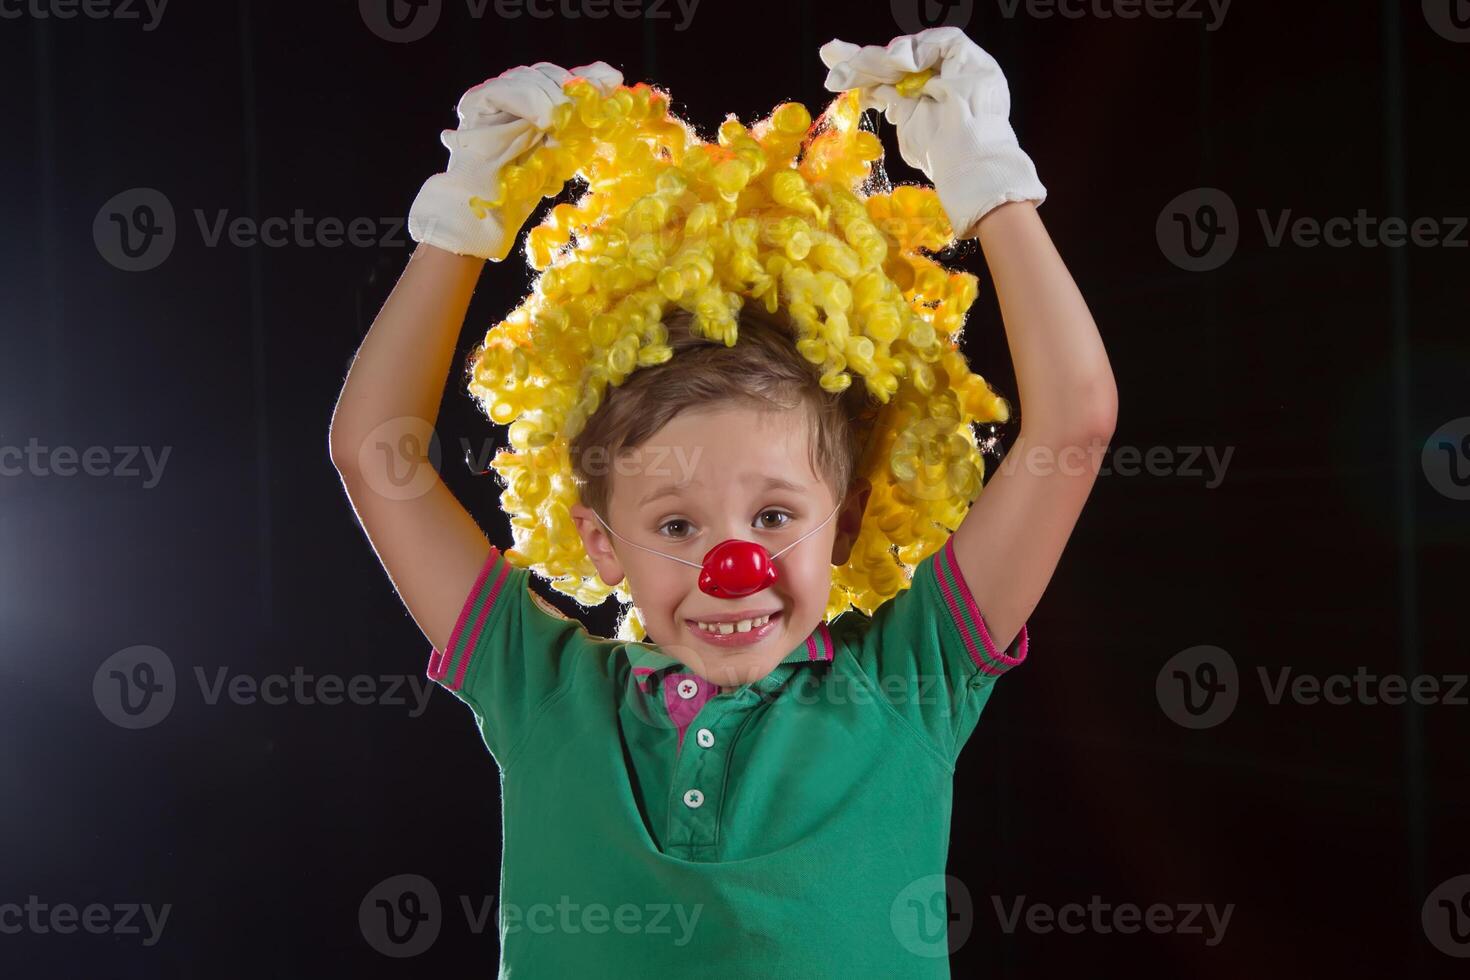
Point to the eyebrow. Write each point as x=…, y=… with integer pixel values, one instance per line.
x=674, y=489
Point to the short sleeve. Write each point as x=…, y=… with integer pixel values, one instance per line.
x=930, y=654
x=510, y=652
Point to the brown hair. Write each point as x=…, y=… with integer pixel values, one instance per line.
x=763, y=369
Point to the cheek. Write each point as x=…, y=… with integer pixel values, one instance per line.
x=659, y=585
x=810, y=577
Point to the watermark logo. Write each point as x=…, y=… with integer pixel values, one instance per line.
x=1450, y=19
x=401, y=458
x=1198, y=687
x=147, y=12
x=1198, y=230
x=932, y=916
x=913, y=16
x=1446, y=459
x=1446, y=917
x=400, y=21
x=135, y=688
x=135, y=229
x=401, y=916
x=1103, y=918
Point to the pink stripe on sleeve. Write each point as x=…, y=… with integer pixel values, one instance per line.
x=947, y=555
x=464, y=662
x=439, y=659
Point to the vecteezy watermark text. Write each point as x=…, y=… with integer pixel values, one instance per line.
x=1200, y=229
x=136, y=688
x=1098, y=916
x=403, y=21
x=305, y=231
x=649, y=459
x=403, y=915
x=1210, y=12
x=913, y=16
x=300, y=687
x=1189, y=462
x=35, y=459
x=1200, y=687
x=135, y=230
x=124, y=10
x=63, y=919
x=1363, y=686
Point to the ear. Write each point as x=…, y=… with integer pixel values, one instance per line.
x=598, y=544
x=850, y=520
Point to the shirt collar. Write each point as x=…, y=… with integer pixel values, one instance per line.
x=647, y=661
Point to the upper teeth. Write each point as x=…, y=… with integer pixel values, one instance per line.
x=744, y=626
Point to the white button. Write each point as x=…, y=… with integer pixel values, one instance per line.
x=705, y=737
x=687, y=688
x=693, y=799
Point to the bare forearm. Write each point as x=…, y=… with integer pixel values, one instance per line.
x=1065, y=383
x=401, y=366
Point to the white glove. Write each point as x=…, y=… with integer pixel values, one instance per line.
x=499, y=120
x=956, y=129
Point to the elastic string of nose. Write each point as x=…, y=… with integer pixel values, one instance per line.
x=809, y=533
x=695, y=564
x=692, y=564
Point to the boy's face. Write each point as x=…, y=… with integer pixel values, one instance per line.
x=711, y=474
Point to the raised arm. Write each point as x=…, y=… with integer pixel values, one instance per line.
x=1009, y=543
x=383, y=424
x=951, y=104
x=427, y=542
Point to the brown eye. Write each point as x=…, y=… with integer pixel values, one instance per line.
x=773, y=520
x=676, y=528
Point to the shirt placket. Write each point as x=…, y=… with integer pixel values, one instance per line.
x=706, y=727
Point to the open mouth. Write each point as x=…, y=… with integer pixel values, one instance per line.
x=735, y=632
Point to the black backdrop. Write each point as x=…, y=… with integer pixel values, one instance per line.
x=1330, y=540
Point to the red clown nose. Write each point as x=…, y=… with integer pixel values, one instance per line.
x=736, y=568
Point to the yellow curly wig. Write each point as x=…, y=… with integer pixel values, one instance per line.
x=775, y=214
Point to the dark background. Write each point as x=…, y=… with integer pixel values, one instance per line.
x=1326, y=548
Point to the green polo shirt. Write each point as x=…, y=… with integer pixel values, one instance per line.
x=797, y=826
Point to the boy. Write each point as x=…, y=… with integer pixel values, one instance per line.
x=753, y=791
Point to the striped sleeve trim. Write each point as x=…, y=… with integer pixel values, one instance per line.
x=451, y=666
x=819, y=643
x=967, y=618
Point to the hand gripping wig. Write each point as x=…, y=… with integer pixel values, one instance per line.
x=787, y=214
